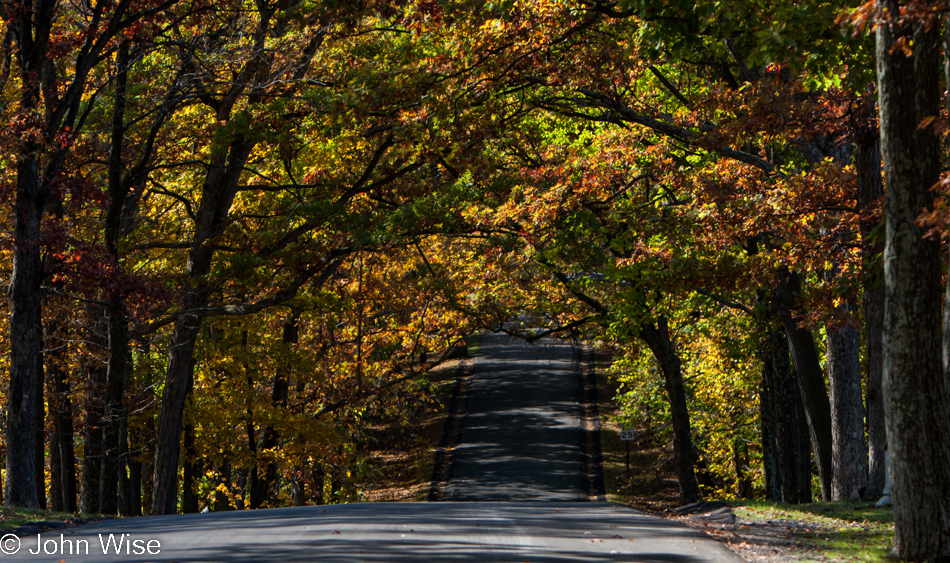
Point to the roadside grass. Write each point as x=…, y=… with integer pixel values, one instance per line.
x=851, y=530
x=12, y=517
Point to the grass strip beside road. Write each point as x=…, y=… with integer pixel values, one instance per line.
x=851, y=530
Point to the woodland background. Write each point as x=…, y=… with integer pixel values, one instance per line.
x=237, y=230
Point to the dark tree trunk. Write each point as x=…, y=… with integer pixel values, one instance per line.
x=870, y=190
x=125, y=484
x=25, y=331
x=146, y=458
x=114, y=413
x=180, y=368
x=794, y=460
x=847, y=414
x=773, y=479
x=135, y=486
x=191, y=470
x=657, y=337
x=90, y=494
x=318, y=477
x=63, y=485
x=916, y=384
x=113, y=462
x=221, y=500
x=811, y=380
x=218, y=192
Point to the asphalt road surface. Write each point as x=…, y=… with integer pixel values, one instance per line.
x=520, y=446
x=536, y=531
x=522, y=437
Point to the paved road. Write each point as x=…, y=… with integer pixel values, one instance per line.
x=522, y=437
x=542, y=532
x=521, y=441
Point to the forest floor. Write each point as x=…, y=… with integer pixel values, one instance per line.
x=764, y=532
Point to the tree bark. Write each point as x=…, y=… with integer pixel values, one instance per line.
x=847, y=414
x=870, y=190
x=220, y=187
x=657, y=336
x=119, y=355
x=89, y=497
x=811, y=380
x=61, y=414
x=190, y=471
x=916, y=383
x=794, y=460
x=770, y=464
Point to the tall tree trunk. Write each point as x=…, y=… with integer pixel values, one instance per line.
x=179, y=374
x=811, y=380
x=191, y=470
x=847, y=414
x=871, y=189
x=90, y=498
x=61, y=414
x=916, y=383
x=114, y=411
x=25, y=332
x=220, y=187
x=767, y=429
x=794, y=460
x=657, y=337
x=118, y=362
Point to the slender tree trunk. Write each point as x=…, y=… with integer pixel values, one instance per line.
x=871, y=190
x=811, y=380
x=916, y=382
x=657, y=337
